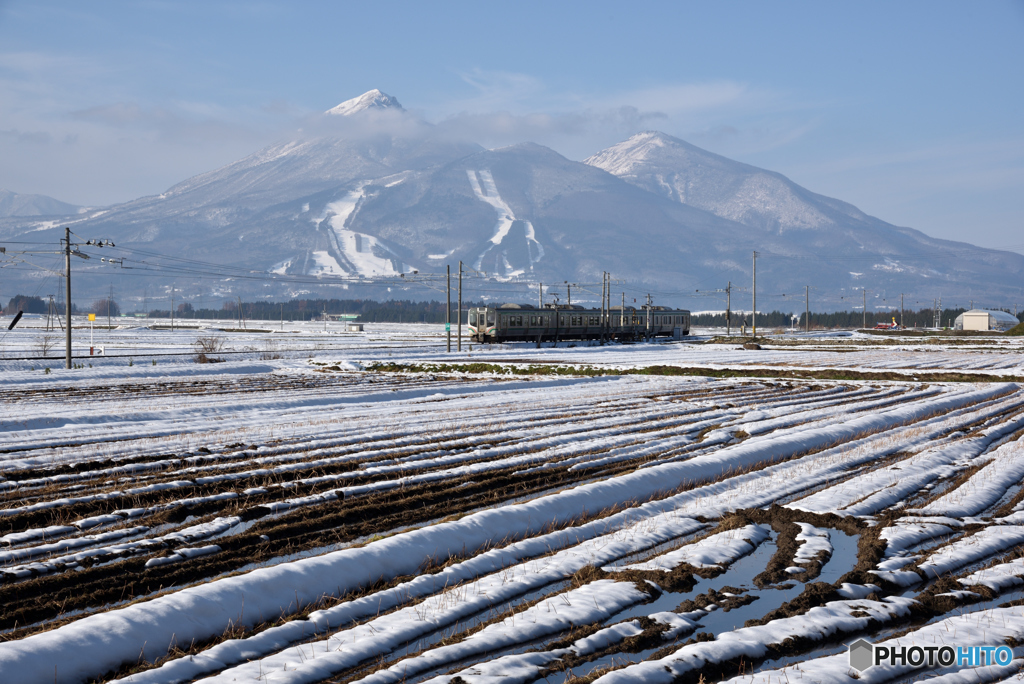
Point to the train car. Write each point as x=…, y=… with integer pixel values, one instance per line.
x=522, y=323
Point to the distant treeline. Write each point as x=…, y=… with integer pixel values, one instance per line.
x=367, y=310
x=408, y=311
x=35, y=305
x=924, y=318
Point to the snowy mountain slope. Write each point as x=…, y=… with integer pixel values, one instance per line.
x=527, y=212
x=15, y=204
x=866, y=251
x=486, y=191
x=683, y=172
x=280, y=209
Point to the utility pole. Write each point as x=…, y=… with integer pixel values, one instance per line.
x=67, y=302
x=605, y=314
x=568, y=294
x=282, y=316
x=540, y=295
x=728, y=310
x=901, y=313
x=241, y=321
x=604, y=283
x=460, y=306
x=622, y=311
x=648, y=317
x=807, y=308
x=172, y=310
x=864, y=313
x=753, y=312
x=448, y=310
x=606, y=305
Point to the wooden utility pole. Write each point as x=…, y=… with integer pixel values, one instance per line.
x=753, y=311
x=448, y=309
x=901, y=313
x=807, y=308
x=460, y=306
x=172, y=309
x=67, y=303
x=568, y=294
x=604, y=305
x=540, y=295
x=864, y=313
x=728, y=310
x=622, y=312
x=282, y=316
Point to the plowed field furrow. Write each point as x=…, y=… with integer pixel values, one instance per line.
x=343, y=525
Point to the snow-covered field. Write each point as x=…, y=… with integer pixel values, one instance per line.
x=334, y=506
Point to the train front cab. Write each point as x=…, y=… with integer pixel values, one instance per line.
x=482, y=323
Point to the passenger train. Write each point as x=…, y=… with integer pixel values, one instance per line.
x=516, y=322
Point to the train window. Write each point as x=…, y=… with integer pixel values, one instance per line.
x=490, y=318
x=519, y=320
x=472, y=317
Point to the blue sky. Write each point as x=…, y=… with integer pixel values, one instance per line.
x=913, y=111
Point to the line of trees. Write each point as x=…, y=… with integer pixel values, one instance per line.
x=31, y=304
x=923, y=318
x=409, y=311
x=366, y=310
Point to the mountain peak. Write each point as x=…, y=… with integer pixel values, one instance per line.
x=14, y=204
x=373, y=99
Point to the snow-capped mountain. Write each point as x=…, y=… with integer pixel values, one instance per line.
x=685, y=173
x=373, y=99
x=859, y=250
x=15, y=204
x=370, y=190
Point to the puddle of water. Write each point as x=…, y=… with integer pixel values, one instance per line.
x=844, y=556
x=740, y=575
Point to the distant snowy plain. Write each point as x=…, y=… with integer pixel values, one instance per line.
x=296, y=514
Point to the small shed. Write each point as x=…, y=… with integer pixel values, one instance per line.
x=354, y=327
x=981, y=319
